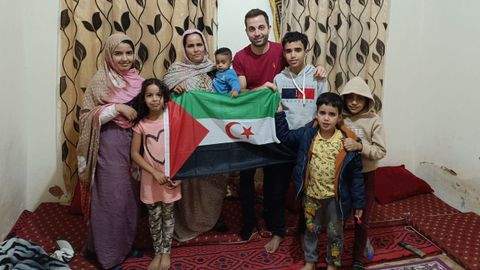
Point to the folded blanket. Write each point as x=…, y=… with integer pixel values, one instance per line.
x=17, y=253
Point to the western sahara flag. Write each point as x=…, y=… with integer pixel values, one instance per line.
x=208, y=133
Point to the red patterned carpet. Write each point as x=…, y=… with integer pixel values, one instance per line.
x=290, y=256
x=457, y=234
x=402, y=211
x=52, y=221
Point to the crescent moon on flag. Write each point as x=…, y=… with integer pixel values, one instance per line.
x=229, y=132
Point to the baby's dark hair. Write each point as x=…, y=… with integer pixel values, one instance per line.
x=224, y=51
x=331, y=99
x=295, y=36
x=139, y=101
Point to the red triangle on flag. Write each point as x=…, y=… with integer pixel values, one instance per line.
x=186, y=133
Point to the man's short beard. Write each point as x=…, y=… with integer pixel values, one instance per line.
x=264, y=43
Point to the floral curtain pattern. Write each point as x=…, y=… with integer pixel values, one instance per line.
x=154, y=26
x=347, y=37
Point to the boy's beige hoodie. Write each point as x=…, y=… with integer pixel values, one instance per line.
x=366, y=124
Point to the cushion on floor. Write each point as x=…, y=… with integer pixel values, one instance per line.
x=394, y=183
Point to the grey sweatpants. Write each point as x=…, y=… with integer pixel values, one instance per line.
x=328, y=213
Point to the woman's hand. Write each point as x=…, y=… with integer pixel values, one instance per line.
x=179, y=89
x=126, y=111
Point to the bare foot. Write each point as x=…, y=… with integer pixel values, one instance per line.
x=273, y=244
x=165, y=263
x=155, y=263
x=309, y=266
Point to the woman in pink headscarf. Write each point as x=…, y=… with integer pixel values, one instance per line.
x=202, y=197
x=108, y=199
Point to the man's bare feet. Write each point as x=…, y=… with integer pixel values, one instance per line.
x=165, y=263
x=155, y=263
x=309, y=266
x=273, y=244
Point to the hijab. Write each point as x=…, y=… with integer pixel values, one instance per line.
x=109, y=86
x=181, y=71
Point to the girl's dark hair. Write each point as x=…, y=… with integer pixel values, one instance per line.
x=139, y=101
x=224, y=51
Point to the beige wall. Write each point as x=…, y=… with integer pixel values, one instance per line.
x=13, y=115
x=41, y=74
x=431, y=57
x=431, y=96
x=231, y=26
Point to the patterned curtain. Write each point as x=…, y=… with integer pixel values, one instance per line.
x=276, y=6
x=155, y=27
x=347, y=37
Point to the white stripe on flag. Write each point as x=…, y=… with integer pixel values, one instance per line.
x=167, y=141
x=254, y=131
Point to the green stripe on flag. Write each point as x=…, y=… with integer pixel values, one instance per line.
x=250, y=105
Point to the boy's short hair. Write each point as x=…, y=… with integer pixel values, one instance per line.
x=295, y=36
x=224, y=51
x=331, y=99
x=252, y=13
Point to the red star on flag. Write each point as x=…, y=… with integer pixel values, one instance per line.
x=247, y=132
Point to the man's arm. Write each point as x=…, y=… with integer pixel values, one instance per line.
x=243, y=84
x=240, y=70
x=266, y=85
